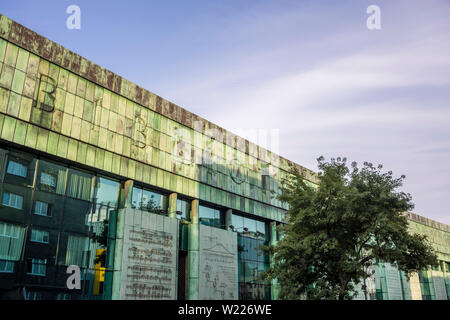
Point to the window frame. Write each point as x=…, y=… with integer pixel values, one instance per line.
x=7, y=263
x=41, y=234
x=34, y=263
x=9, y=199
x=215, y=209
x=49, y=209
x=75, y=171
x=21, y=165
x=163, y=204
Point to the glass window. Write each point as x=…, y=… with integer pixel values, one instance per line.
x=42, y=208
x=6, y=266
x=260, y=230
x=206, y=215
x=11, y=241
x=101, y=213
x=37, y=266
x=48, y=180
x=136, y=198
x=17, y=169
x=251, y=235
x=250, y=271
x=250, y=224
x=51, y=177
x=39, y=236
x=148, y=200
x=9, y=230
x=183, y=208
x=210, y=216
x=249, y=227
x=106, y=192
x=77, y=248
x=75, y=214
x=237, y=222
x=12, y=200
x=153, y=202
x=79, y=185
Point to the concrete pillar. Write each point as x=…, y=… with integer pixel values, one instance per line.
x=172, y=205
x=275, y=288
x=126, y=194
x=193, y=252
x=227, y=219
x=125, y=202
x=431, y=283
x=414, y=285
x=446, y=280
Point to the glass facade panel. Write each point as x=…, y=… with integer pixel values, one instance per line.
x=237, y=222
x=136, y=197
x=6, y=266
x=210, y=216
x=39, y=236
x=260, y=230
x=106, y=192
x=100, y=213
x=79, y=185
x=250, y=225
x=153, y=202
x=19, y=169
x=51, y=177
x=65, y=220
x=252, y=234
x=149, y=200
x=42, y=208
x=183, y=208
x=13, y=200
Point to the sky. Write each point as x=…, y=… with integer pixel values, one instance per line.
x=310, y=70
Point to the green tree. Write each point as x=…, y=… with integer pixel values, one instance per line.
x=337, y=229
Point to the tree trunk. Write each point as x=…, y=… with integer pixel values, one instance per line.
x=343, y=289
x=342, y=292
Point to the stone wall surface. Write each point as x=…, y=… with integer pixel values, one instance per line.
x=218, y=264
x=149, y=256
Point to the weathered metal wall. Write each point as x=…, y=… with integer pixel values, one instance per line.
x=55, y=101
x=438, y=234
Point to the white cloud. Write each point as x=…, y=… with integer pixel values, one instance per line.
x=366, y=102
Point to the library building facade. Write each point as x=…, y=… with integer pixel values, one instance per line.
x=145, y=199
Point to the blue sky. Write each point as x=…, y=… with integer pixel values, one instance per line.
x=310, y=69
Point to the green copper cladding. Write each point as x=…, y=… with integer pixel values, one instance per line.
x=112, y=124
x=438, y=233
x=193, y=252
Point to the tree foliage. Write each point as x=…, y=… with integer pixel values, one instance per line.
x=335, y=230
